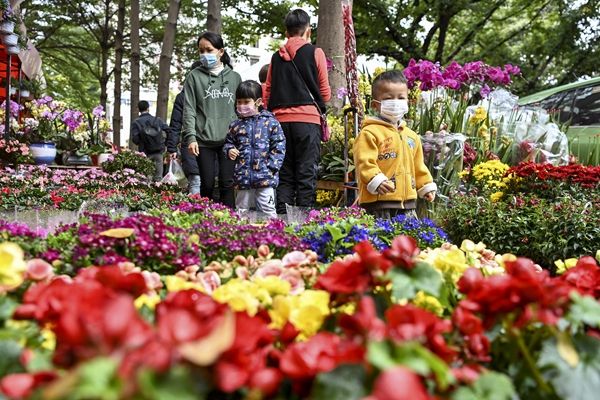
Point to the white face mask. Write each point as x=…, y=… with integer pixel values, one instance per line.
x=394, y=109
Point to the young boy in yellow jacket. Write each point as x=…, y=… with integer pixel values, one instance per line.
x=388, y=156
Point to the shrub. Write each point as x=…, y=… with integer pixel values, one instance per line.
x=544, y=230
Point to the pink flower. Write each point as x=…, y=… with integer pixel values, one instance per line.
x=295, y=279
x=294, y=259
x=39, y=270
x=270, y=268
x=210, y=280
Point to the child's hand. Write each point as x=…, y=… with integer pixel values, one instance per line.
x=430, y=196
x=386, y=187
x=233, y=154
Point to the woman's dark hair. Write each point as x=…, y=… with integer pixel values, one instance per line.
x=217, y=42
x=249, y=90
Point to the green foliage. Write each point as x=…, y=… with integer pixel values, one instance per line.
x=490, y=386
x=346, y=382
x=406, y=283
x=521, y=224
x=573, y=382
x=384, y=355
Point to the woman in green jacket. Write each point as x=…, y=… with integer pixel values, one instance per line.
x=208, y=109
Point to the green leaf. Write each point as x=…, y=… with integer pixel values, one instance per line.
x=384, y=355
x=423, y=276
x=7, y=307
x=336, y=233
x=581, y=382
x=176, y=384
x=584, y=310
x=98, y=379
x=346, y=382
x=10, y=351
x=489, y=386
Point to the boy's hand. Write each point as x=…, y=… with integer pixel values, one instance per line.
x=430, y=196
x=233, y=154
x=193, y=148
x=386, y=187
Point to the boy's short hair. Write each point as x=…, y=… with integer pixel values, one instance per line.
x=394, y=75
x=249, y=90
x=296, y=22
x=262, y=74
x=143, y=106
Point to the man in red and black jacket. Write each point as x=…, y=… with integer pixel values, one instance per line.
x=287, y=96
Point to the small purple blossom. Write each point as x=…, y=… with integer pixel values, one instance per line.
x=98, y=111
x=341, y=93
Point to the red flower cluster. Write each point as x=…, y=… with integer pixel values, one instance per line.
x=584, y=175
x=367, y=268
x=584, y=276
x=398, y=383
x=410, y=323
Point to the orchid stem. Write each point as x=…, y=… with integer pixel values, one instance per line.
x=537, y=376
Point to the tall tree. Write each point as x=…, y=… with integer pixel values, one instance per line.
x=118, y=72
x=166, y=55
x=330, y=37
x=213, y=16
x=135, y=61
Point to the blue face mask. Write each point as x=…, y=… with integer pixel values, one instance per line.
x=209, y=60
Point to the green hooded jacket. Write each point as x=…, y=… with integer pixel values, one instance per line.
x=208, y=106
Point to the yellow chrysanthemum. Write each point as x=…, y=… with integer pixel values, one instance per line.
x=12, y=265
x=496, y=196
x=479, y=116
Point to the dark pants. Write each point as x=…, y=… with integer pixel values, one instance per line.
x=207, y=163
x=298, y=174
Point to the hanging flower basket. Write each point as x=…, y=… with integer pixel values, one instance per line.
x=7, y=27
x=10, y=40
x=13, y=50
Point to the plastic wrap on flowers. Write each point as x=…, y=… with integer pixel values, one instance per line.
x=541, y=143
x=443, y=155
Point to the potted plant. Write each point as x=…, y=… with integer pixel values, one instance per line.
x=8, y=18
x=41, y=128
x=100, y=129
x=74, y=140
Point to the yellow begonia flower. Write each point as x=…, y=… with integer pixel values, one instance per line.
x=274, y=285
x=49, y=337
x=175, y=284
x=563, y=266
x=148, y=301
x=242, y=295
x=306, y=311
x=452, y=262
x=12, y=265
x=428, y=303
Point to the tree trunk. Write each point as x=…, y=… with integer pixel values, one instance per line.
x=105, y=48
x=135, y=64
x=330, y=37
x=213, y=16
x=166, y=54
x=118, y=73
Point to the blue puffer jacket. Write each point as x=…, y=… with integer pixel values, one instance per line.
x=261, y=144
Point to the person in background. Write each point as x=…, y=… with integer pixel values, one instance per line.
x=148, y=133
x=257, y=144
x=208, y=109
x=389, y=156
x=298, y=65
x=188, y=160
x=262, y=77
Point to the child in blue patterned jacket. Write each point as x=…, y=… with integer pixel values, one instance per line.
x=257, y=144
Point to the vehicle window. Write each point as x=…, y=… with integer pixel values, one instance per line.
x=586, y=109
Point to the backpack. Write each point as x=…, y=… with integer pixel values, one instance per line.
x=151, y=136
